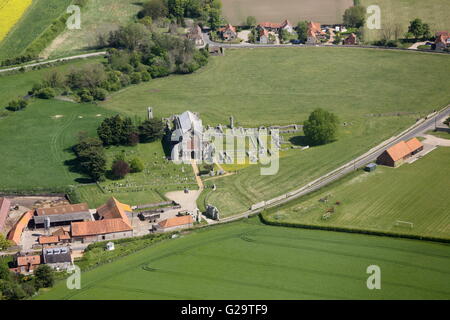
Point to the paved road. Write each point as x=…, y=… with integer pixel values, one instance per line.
x=421, y=126
x=80, y=56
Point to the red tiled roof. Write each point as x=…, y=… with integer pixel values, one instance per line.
x=4, y=210
x=285, y=23
x=315, y=27
x=270, y=25
x=402, y=149
x=91, y=228
x=263, y=32
x=48, y=239
x=16, y=232
x=26, y=260
x=113, y=209
x=176, y=221
x=70, y=208
x=443, y=33
x=441, y=39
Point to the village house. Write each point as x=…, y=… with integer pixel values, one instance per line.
x=228, y=32
x=174, y=223
x=397, y=154
x=5, y=205
x=315, y=33
x=276, y=27
x=26, y=264
x=351, y=40
x=57, y=258
x=442, y=40
x=195, y=35
x=263, y=36
x=61, y=215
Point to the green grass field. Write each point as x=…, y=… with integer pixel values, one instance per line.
x=433, y=12
x=365, y=88
x=38, y=16
x=98, y=17
x=248, y=260
x=375, y=201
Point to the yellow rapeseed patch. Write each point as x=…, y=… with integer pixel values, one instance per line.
x=10, y=13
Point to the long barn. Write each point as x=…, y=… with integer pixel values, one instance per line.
x=397, y=154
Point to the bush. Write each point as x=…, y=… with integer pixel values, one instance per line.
x=145, y=76
x=100, y=94
x=136, y=165
x=135, y=77
x=16, y=105
x=120, y=169
x=46, y=93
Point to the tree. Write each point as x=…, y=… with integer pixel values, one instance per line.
x=120, y=169
x=11, y=291
x=4, y=243
x=355, y=16
x=250, y=21
x=46, y=93
x=93, y=162
x=155, y=9
x=131, y=37
x=214, y=19
x=44, y=277
x=302, y=31
x=18, y=104
x=419, y=29
x=321, y=127
x=136, y=165
x=116, y=130
x=5, y=274
x=151, y=130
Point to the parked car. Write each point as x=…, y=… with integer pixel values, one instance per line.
x=296, y=41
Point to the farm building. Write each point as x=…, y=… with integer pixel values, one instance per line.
x=397, y=154
x=57, y=258
x=228, y=32
x=99, y=230
x=5, y=204
x=195, y=35
x=370, y=167
x=314, y=33
x=114, y=209
x=175, y=223
x=26, y=264
x=62, y=235
x=277, y=27
x=62, y=215
x=15, y=234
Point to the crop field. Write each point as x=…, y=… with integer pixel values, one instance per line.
x=377, y=93
x=10, y=13
x=323, y=11
x=248, y=260
x=98, y=17
x=39, y=15
x=433, y=12
x=416, y=193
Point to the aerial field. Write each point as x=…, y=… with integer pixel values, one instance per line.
x=98, y=17
x=377, y=93
x=10, y=13
x=39, y=15
x=323, y=11
x=248, y=260
x=416, y=193
x=433, y=12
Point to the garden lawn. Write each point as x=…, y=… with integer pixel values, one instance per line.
x=416, y=193
x=248, y=260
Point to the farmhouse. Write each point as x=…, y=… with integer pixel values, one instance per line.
x=228, y=32
x=442, y=40
x=113, y=224
x=397, y=154
x=57, y=258
x=351, y=40
x=26, y=264
x=62, y=215
x=175, y=223
x=62, y=235
x=277, y=27
x=195, y=35
x=4, y=210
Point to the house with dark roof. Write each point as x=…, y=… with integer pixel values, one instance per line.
x=397, y=154
x=5, y=204
x=61, y=215
x=59, y=258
